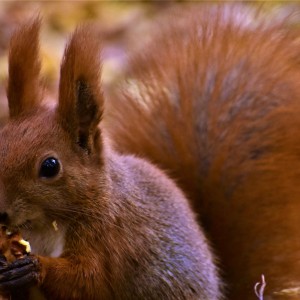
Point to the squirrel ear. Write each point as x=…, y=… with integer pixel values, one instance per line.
x=80, y=95
x=23, y=90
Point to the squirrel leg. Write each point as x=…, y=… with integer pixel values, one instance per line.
x=69, y=278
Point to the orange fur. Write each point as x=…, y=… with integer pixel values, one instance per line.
x=214, y=100
x=80, y=73
x=125, y=230
x=23, y=89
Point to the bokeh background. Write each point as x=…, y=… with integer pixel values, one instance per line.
x=123, y=26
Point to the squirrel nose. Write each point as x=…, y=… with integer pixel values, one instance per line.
x=3, y=217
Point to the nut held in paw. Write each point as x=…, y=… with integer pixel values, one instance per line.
x=12, y=246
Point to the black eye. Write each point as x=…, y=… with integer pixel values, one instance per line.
x=50, y=167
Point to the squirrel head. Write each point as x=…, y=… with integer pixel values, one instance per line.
x=51, y=158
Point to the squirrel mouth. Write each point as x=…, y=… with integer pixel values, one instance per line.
x=17, y=227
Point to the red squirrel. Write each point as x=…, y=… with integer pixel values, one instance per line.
x=123, y=229
x=214, y=99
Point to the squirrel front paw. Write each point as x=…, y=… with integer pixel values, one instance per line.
x=22, y=273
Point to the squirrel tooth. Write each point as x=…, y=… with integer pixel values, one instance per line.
x=8, y=232
x=26, y=244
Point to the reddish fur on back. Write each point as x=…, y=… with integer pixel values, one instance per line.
x=214, y=100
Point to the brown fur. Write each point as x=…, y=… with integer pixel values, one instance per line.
x=128, y=231
x=24, y=90
x=215, y=102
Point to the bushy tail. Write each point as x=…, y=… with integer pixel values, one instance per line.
x=188, y=95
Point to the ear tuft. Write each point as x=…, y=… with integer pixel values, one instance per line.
x=80, y=94
x=23, y=91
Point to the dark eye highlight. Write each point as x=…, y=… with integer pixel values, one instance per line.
x=50, y=167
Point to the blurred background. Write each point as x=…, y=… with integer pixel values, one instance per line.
x=123, y=26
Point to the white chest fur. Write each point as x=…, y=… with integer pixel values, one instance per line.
x=46, y=243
